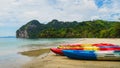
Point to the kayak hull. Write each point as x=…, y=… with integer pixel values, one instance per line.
x=92, y=55
x=57, y=51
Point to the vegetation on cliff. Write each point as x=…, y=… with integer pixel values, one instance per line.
x=29, y=30
x=60, y=29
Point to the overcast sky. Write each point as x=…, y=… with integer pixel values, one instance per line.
x=15, y=13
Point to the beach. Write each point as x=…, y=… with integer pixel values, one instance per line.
x=51, y=60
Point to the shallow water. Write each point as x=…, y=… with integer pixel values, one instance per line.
x=9, y=48
x=13, y=61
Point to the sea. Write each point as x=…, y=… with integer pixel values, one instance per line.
x=10, y=48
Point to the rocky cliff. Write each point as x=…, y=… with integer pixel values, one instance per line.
x=29, y=30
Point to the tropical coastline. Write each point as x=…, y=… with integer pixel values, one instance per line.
x=50, y=60
x=31, y=29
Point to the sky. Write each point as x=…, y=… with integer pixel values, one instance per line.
x=15, y=13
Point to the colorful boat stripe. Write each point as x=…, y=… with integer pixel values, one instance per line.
x=92, y=55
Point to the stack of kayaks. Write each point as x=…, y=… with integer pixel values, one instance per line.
x=100, y=51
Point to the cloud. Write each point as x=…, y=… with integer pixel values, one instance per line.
x=107, y=8
x=21, y=11
x=15, y=13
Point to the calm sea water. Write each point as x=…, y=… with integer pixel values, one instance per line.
x=9, y=48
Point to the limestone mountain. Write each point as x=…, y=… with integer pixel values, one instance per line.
x=29, y=30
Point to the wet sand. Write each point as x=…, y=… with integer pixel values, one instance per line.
x=35, y=53
x=50, y=60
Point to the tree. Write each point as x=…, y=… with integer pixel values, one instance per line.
x=117, y=29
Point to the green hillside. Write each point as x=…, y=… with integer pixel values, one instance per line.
x=60, y=29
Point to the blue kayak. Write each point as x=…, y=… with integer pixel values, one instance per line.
x=92, y=55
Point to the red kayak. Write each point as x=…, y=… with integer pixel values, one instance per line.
x=57, y=51
x=104, y=44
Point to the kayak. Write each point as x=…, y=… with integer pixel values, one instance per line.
x=102, y=48
x=67, y=46
x=57, y=51
x=92, y=55
x=97, y=44
x=104, y=44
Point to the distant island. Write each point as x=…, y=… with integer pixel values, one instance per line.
x=7, y=36
x=74, y=29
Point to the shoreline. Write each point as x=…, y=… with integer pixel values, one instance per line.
x=50, y=60
x=56, y=61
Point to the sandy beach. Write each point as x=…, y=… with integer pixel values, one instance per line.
x=50, y=60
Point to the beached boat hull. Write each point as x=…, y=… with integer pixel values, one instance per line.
x=82, y=45
x=92, y=55
x=57, y=51
x=95, y=47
